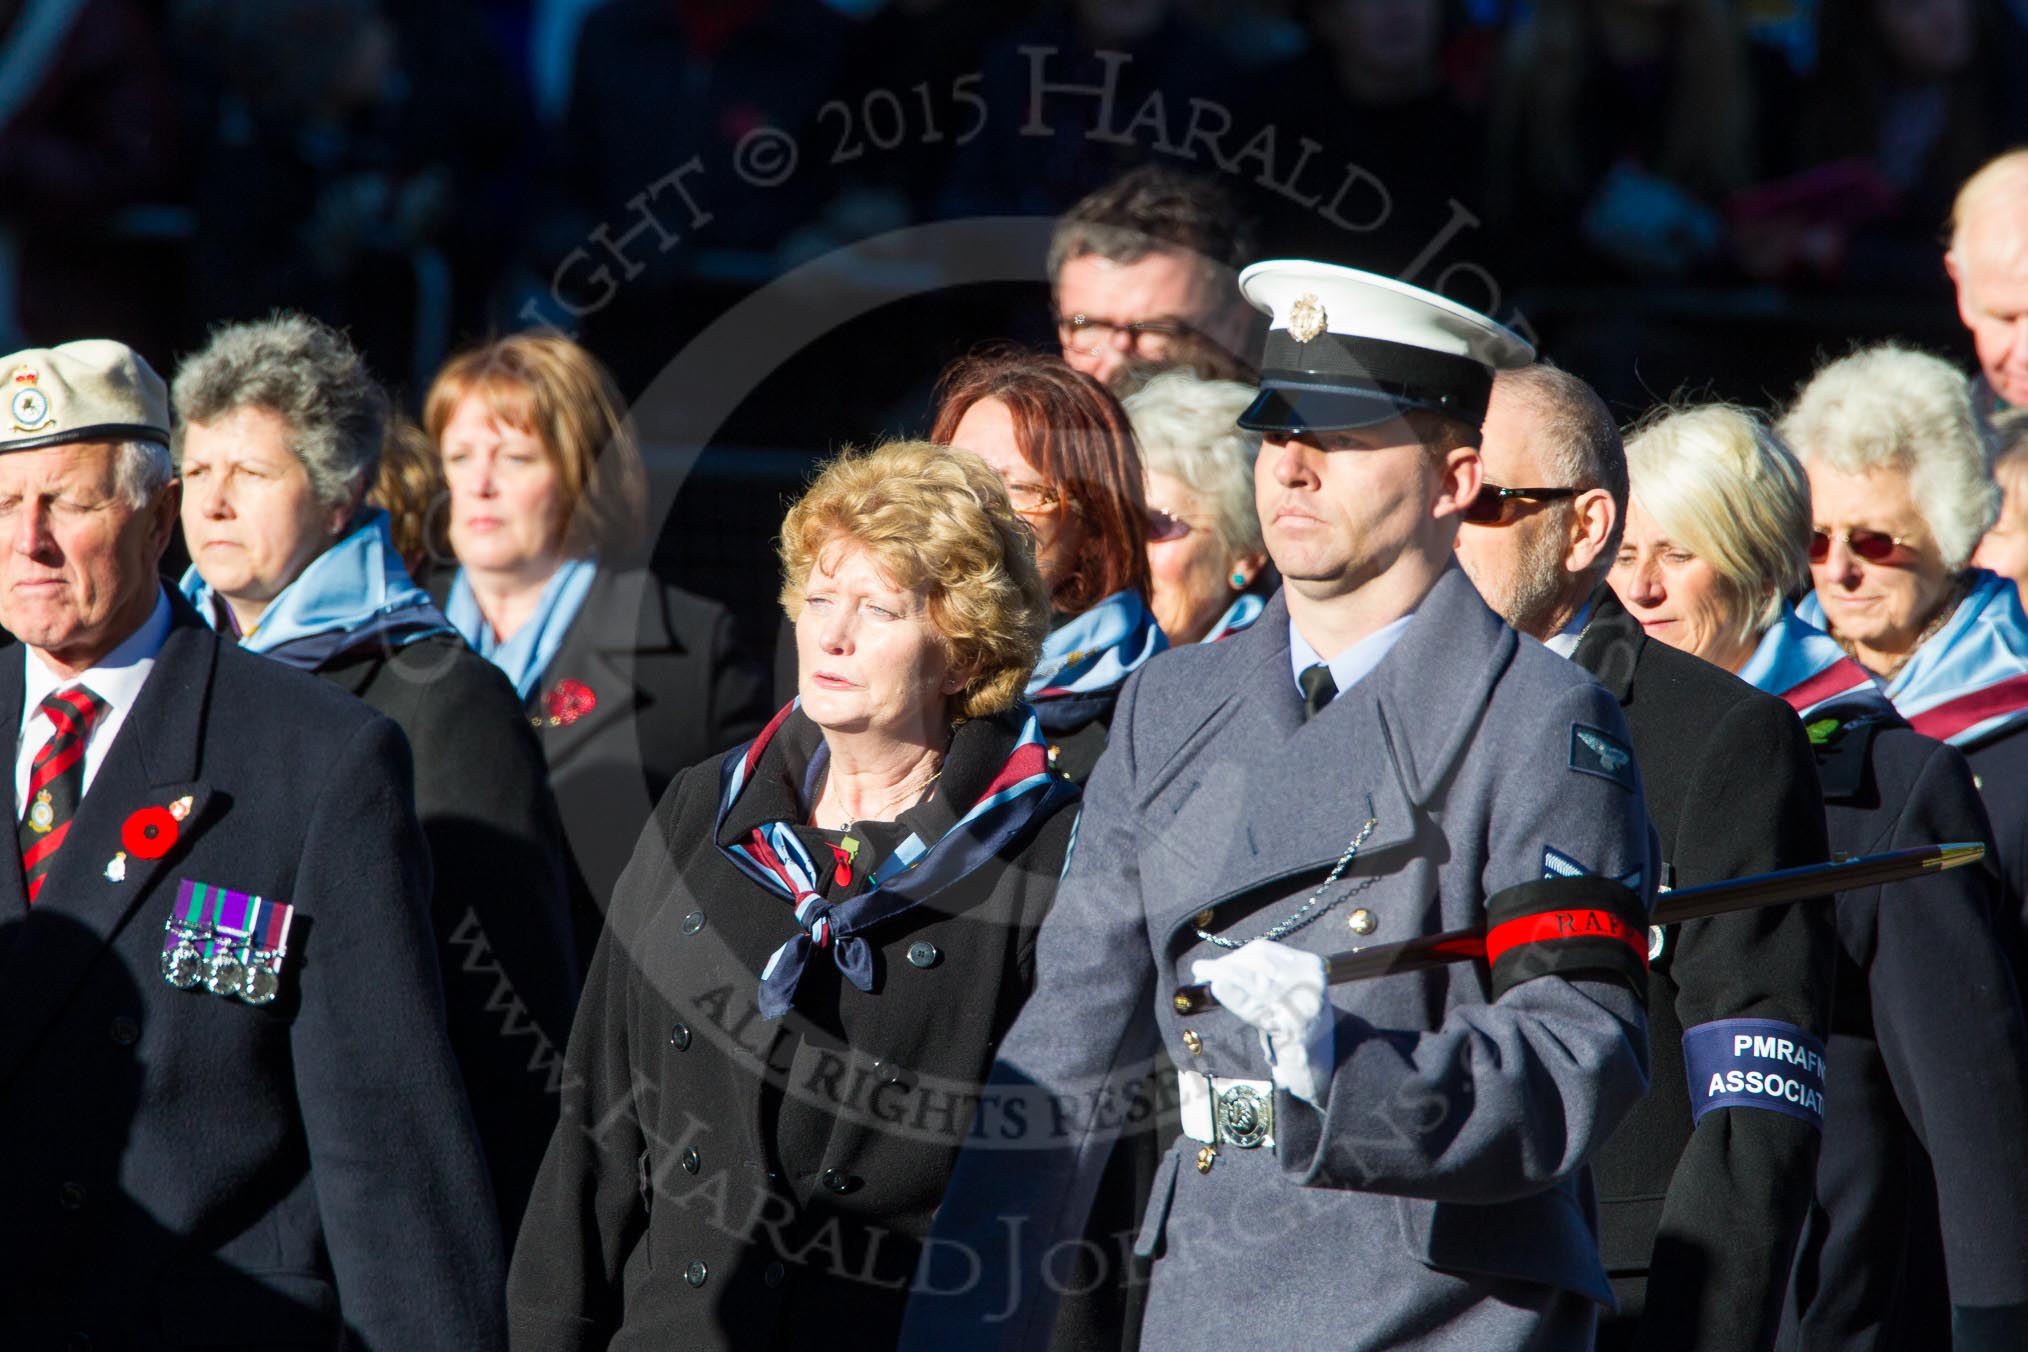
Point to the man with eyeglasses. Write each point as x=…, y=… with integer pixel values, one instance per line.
x=1376, y=1165
x=1141, y=273
x=1698, y=1216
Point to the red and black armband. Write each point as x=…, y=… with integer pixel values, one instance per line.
x=1586, y=926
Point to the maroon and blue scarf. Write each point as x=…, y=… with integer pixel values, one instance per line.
x=1969, y=682
x=1805, y=666
x=1020, y=796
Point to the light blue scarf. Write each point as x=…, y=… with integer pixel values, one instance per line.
x=355, y=593
x=1238, y=616
x=1086, y=659
x=533, y=646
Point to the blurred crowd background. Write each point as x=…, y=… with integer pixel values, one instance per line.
x=1672, y=196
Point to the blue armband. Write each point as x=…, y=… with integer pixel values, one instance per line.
x=1755, y=1063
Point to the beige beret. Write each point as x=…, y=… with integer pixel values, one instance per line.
x=91, y=390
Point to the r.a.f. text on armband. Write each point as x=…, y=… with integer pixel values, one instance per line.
x=1755, y=1063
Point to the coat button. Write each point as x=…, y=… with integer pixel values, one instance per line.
x=893, y=1072
x=1205, y=1158
x=922, y=953
x=692, y=1161
x=1193, y=1043
x=71, y=1196
x=693, y=922
x=1204, y=919
x=124, y=1031
x=836, y=1180
x=696, y=1273
x=772, y=1274
x=1361, y=921
x=679, y=1037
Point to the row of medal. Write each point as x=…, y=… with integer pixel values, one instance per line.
x=232, y=943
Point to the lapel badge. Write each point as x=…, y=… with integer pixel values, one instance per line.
x=28, y=406
x=116, y=868
x=181, y=807
x=568, y=701
x=42, y=816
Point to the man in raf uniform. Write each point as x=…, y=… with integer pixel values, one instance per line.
x=1394, y=1163
x=234, y=1119
x=1698, y=1215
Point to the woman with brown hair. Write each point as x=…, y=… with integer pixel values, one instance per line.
x=1065, y=450
x=626, y=679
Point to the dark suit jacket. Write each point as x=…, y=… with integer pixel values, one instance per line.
x=501, y=901
x=1918, y=1203
x=1697, y=1226
x=837, y=1124
x=672, y=687
x=183, y=1164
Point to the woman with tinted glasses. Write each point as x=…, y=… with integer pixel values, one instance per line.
x=1927, y=1046
x=1065, y=450
x=1898, y=473
x=1205, y=555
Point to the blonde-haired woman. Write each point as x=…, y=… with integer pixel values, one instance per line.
x=815, y=949
x=1927, y=1039
x=626, y=679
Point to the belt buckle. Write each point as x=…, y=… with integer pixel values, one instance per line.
x=1244, y=1117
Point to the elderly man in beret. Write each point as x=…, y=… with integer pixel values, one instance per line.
x=233, y=1113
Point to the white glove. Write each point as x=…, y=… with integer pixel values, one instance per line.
x=1279, y=991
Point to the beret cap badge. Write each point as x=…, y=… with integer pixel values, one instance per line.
x=28, y=406
x=1306, y=317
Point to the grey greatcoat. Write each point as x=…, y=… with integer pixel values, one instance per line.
x=1441, y=1200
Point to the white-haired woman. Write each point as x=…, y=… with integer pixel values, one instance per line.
x=278, y=436
x=1205, y=553
x=1897, y=461
x=1927, y=1041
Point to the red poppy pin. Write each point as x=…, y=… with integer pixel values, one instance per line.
x=150, y=833
x=569, y=701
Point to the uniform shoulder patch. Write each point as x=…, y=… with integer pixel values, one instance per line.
x=1594, y=751
x=1557, y=864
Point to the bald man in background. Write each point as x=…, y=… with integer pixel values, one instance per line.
x=1988, y=263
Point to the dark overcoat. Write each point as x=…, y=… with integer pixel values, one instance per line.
x=1440, y=1197
x=1997, y=768
x=1918, y=1198
x=500, y=903
x=187, y=1169
x=720, y=1180
x=669, y=687
x=1698, y=1224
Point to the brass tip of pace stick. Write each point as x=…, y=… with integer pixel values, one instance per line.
x=1956, y=856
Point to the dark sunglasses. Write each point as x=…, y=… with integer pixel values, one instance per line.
x=1163, y=527
x=1874, y=546
x=1491, y=507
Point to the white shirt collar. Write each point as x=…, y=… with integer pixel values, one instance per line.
x=1351, y=666
x=116, y=678
x=1564, y=642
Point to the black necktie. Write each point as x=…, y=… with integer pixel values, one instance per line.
x=1318, y=688
x=56, y=781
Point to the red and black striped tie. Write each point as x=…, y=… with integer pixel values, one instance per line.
x=56, y=780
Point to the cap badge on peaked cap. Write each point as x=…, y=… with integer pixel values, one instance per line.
x=1306, y=317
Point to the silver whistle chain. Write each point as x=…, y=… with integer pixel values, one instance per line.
x=1309, y=910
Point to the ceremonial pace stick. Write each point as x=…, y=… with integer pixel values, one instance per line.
x=1689, y=903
